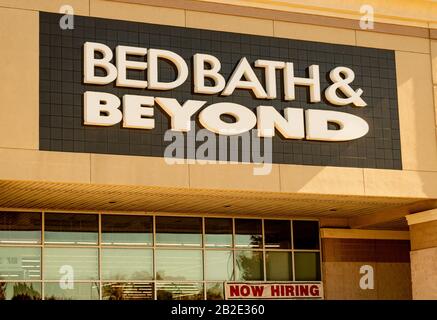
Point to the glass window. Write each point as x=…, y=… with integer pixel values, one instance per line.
x=277, y=234
x=71, y=228
x=179, y=291
x=127, y=264
x=305, y=234
x=307, y=266
x=179, y=265
x=214, y=291
x=127, y=291
x=248, y=233
x=70, y=264
x=20, y=263
x=127, y=230
x=178, y=231
x=20, y=227
x=279, y=266
x=249, y=265
x=218, y=232
x=219, y=265
x=71, y=291
x=20, y=291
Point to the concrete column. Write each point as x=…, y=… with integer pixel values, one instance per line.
x=423, y=237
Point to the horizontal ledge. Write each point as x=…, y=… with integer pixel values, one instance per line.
x=422, y=217
x=287, y=16
x=332, y=233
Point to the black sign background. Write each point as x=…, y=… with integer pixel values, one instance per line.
x=62, y=88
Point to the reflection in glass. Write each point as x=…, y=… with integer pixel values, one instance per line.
x=178, y=231
x=20, y=290
x=71, y=291
x=20, y=227
x=218, y=265
x=179, y=291
x=279, y=266
x=64, y=263
x=127, y=264
x=18, y=263
x=277, y=234
x=305, y=234
x=249, y=265
x=248, y=233
x=179, y=265
x=218, y=232
x=127, y=230
x=71, y=228
x=127, y=291
x=307, y=266
x=214, y=291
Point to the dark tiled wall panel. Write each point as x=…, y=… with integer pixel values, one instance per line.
x=61, y=90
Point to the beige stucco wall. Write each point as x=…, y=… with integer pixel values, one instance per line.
x=424, y=273
x=407, y=12
x=423, y=255
x=344, y=257
x=433, y=48
x=19, y=82
x=21, y=160
x=342, y=281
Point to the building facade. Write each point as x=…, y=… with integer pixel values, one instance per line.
x=199, y=149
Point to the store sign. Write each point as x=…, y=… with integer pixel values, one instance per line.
x=119, y=87
x=103, y=109
x=274, y=290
